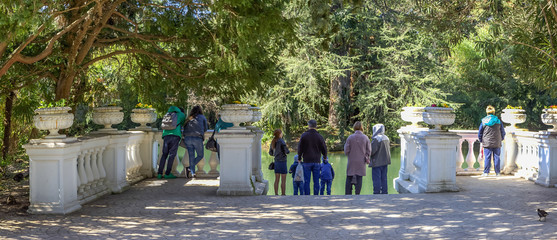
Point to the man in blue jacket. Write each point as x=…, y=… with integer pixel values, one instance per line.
x=310, y=148
x=490, y=135
x=170, y=146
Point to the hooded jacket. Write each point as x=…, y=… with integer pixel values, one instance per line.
x=181, y=118
x=491, y=132
x=380, y=147
x=327, y=172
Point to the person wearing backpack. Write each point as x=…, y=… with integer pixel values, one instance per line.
x=194, y=134
x=297, y=170
x=171, y=134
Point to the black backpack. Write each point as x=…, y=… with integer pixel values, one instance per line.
x=169, y=121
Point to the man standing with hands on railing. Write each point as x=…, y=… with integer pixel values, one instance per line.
x=490, y=135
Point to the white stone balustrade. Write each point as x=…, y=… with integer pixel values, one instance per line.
x=66, y=173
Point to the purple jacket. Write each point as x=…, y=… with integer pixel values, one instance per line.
x=358, y=149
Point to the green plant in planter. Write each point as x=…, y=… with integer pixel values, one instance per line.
x=59, y=103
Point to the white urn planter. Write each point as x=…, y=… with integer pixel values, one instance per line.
x=107, y=116
x=549, y=117
x=439, y=116
x=413, y=115
x=53, y=119
x=256, y=114
x=143, y=116
x=236, y=114
x=513, y=116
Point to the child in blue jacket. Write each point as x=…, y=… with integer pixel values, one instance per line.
x=298, y=185
x=327, y=176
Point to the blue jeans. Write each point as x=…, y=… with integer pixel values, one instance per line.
x=194, y=145
x=379, y=177
x=328, y=183
x=299, y=185
x=314, y=168
x=495, y=152
x=169, y=150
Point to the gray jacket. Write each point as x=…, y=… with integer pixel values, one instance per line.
x=380, y=147
x=491, y=132
x=280, y=151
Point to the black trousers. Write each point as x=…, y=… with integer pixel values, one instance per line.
x=353, y=180
x=169, y=150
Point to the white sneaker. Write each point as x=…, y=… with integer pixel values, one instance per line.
x=484, y=174
x=497, y=174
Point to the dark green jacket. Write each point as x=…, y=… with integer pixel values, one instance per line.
x=181, y=118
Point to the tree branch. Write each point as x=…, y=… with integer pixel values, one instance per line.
x=127, y=19
x=538, y=49
x=17, y=57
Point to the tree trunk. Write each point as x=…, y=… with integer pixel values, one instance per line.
x=8, y=123
x=64, y=84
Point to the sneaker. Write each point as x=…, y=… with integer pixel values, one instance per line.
x=484, y=174
x=159, y=176
x=497, y=174
x=169, y=176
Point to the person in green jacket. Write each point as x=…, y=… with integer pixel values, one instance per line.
x=170, y=146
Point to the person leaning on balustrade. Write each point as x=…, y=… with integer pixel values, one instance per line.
x=491, y=134
x=357, y=149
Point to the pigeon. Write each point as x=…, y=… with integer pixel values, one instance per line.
x=542, y=214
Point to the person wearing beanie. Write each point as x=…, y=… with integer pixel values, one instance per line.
x=310, y=149
x=327, y=176
x=491, y=134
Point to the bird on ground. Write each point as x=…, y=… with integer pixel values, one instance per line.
x=542, y=214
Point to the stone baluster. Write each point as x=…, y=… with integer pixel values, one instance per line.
x=460, y=157
x=95, y=170
x=471, y=156
x=100, y=165
x=213, y=163
x=88, y=172
x=200, y=172
x=185, y=163
x=81, y=173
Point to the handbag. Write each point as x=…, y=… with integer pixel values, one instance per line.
x=211, y=144
x=272, y=166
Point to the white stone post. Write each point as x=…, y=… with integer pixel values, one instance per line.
x=146, y=152
x=547, y=174
x=53, y=177
x=408, y=151
x=256, y=154
x=435, y=162
x=511, y=151
x=235, y=162
x=114, y=158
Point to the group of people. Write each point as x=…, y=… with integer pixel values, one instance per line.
x=189, y=132
x=359, y=149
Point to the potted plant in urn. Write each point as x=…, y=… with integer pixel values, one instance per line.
x=412, y=114
x=513, y=115
x=108, y=115
x=53, y=117
x=236, y=113
x=439, y=115
x=143, y=114
x=549, y=117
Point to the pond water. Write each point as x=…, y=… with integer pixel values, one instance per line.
x=337, y=159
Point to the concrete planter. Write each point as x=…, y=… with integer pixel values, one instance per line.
x=53, y=119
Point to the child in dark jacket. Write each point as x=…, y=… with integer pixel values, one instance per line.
x=327, y=176
x=298, y=185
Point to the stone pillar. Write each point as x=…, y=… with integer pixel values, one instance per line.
x=408, y=150
x=53, y=176
x=114, y=158
x=146, y=152
x=511, y=151
x=235, y=162
x=547, y=173
x=435, y=163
